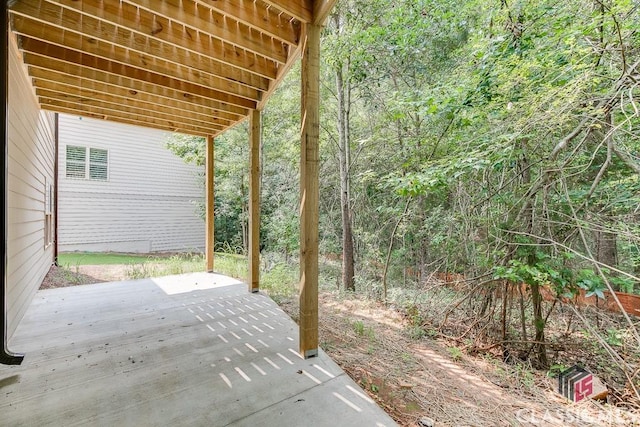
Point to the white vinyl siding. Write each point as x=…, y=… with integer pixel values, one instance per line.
x=30, y=175
x=148, y=204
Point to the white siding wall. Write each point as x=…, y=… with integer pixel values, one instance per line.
x=148, y=202
x=30, y=167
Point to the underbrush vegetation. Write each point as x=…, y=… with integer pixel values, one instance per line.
x=473, y=321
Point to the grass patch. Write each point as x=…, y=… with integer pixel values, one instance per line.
x=280, y=281
x=455, y=353
x=92, y=258
x=138, y=266
x=231, y=265
x=416, y=333
x=166, y=266
x=361, y=329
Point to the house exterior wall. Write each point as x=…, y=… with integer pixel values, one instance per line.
x=147, y=203
x=31, y=149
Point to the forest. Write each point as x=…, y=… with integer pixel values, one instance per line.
x=479, y=168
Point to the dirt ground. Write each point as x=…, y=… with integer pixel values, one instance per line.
x=419, y=382
x=83, y=274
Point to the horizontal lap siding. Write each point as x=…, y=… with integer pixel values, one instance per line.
x=149, y=202
x=167, y=225
x=30, y=167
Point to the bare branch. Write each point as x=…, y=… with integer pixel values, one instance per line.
x=604, y=105
x=626, y=158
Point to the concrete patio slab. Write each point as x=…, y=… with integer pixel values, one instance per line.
x=186, y=350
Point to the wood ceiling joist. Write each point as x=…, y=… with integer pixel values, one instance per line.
x=50, y=80
x=188, y=13
x=129, y=59
x=232, y=79
x=122, y=114
x=74, y=112
x=137, y=86
x=321, y=10
x=275, y=83
x=63, y=92
x=145, y=23
x=74, y=57
x=191, y=66
x=82, y=103
x=301, y=10
x=256, y=15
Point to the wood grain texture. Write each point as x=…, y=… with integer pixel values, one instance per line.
x=254, y=200
x=210, y=204
x=224, y=55
x=309, y=163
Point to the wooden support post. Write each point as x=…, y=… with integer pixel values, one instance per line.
x=209, y=177
x=309, y=159
x=254, y=201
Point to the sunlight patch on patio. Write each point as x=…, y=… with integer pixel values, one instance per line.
x=194, y=349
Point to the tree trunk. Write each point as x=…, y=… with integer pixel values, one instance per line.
x=606, y=251
x=388, y=259
x=540, y=349
x=606, y=248
x=343, y=89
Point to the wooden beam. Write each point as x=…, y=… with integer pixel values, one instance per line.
x=95, y=97
x=136, y=85
x=254, y=200
x=77, y=55
x=123, y=117
x=63, y=26
x=140, y=37
x=187, y=12
x=263, y=19
x=302, y=10
x=66, y=99
x=59, y=71
x=75, y=112
x=309, y=160
x=282, y=73
x=145, y=23
x=209, y=202
x=321, y=10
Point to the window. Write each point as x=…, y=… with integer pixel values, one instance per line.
x=93, y=166
x=76, y=161
x=97, y=164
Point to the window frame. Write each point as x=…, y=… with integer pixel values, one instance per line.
x=89, y=163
